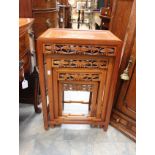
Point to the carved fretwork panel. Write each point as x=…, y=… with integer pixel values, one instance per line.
x=78, y=61
x=79, y=77
x=73, y=63
x=77, y=87
x=79, y=49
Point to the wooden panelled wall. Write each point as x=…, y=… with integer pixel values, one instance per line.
x=25, y=8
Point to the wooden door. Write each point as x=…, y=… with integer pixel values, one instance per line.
x=127, y=96
x=124, y=108
x=121, y=11
x=124, y=111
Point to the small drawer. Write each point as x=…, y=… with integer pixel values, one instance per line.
x=43, y=4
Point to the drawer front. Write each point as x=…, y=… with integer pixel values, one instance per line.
x=44, y=20
x=26, y=61
x=23, y=44
x=24, y=52
x=44, y=4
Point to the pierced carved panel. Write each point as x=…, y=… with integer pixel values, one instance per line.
x=79, y=77
x=79, y=49
x=76, y=87
x=72, y=63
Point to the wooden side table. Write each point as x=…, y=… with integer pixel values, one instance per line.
x=78, y=60
x=27, y=65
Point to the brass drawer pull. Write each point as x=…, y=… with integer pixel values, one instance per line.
x=48, y=23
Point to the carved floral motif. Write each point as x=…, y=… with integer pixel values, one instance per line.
x=79, y=49
x=79, y=77
x=82, y=87
x=71, y=63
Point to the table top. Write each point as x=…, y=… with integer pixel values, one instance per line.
x=24, y=24
x=56, y=35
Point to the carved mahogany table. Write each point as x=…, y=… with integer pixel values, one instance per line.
x=78, y=60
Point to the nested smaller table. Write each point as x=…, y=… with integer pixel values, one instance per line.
x=78, y=61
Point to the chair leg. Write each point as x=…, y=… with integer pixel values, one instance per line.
x=36, y=92
x=90, y=97
x=63, y=100
x=78, y=21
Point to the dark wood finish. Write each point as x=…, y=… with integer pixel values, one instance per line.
x=25, y=8
x=78, y=60
x=127, y=97
x=24, y=47
x=43, y=4
x=121, y=11
x=110, y=3
x=29, y=95
x=105, y=18
x=44, y=20
x=45, y=14
x=63, y=2
x=44, y=11
x=124, y=110
x=68, y=22
x=24, y=54
x=106, y=11
x=65, y=16
x=106, y=2
x=62, y=17
x=106, y=15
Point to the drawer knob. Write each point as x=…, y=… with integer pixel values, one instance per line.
x=117, y=120
x=48, y=23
